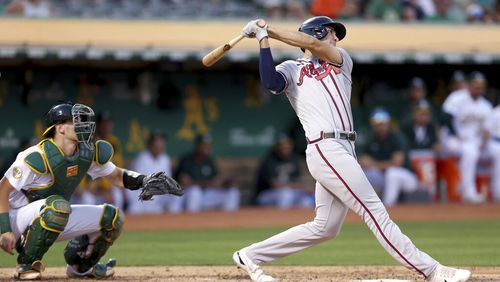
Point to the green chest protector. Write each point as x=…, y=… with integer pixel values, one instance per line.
x=66, y=171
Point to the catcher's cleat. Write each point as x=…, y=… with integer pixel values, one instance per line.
x=449, y=274
x=29, y=271
x=98, y=271
x=256, y=273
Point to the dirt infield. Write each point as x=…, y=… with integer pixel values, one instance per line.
x=283, y=273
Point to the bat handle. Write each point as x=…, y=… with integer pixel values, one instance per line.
x=235, y=40
x=261, y=23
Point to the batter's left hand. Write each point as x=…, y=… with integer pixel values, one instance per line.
x=8, y=242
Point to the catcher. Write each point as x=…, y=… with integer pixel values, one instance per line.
x=35, y=192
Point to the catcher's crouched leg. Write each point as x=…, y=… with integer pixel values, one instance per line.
x=40, y=235
x=82, y=253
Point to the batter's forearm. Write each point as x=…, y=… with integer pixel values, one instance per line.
x=319, y=48
x=293, y=38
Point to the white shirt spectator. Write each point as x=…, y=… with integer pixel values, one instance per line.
x=36, y=9
x=146, y=163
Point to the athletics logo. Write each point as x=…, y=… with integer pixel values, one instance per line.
x=17, y=173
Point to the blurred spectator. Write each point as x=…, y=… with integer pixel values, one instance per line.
x=493, y=126
x=151, y=160
x=496, y=12
x=411, y=11
x=476, y=12
x=421, y=132
x=458, y=81
x=30, y=8
x=381, y=10
x=101, y=191
x=277, y=9
x=423, y=146
x=448, y=11
x=353, y=10
x=278, y=182
x=383, y=159
x=204, y=187
x=428, y=7
x=447, y=165
x=464, y=133
x=384, y=10
x=329, y=8
x=416, y=92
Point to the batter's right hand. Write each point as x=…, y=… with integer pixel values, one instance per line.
x=250, y=29
x=8, y=242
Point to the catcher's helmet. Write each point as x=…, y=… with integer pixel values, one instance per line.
x=82, y=117
x=316, y=27
x=58, y=114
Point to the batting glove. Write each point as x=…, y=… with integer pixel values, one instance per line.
x=261, y=33
x=250, y=29
x=253, y=30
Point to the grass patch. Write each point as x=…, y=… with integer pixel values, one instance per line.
x=455, y=243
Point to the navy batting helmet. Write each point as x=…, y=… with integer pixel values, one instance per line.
x=317, y=27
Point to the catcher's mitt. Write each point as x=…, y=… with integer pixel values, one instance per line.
x=159, y=183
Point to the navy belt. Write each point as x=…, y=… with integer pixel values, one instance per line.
x=344, y=135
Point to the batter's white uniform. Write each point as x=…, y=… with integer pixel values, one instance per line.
x=84, y=219
x=320, y=93
x=493, y=126
x=469, y=118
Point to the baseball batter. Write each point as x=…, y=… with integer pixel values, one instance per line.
x=318, y=87
x=36, y=189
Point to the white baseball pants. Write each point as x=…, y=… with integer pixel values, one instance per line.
x=341, y=184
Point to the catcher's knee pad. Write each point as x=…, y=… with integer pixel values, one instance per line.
x=44, y=229
x=111, y=222
x=85, y=251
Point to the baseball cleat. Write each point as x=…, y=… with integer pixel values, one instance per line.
x=449, y=274
x=29, y=271
x=99, y=271
x=256, y=273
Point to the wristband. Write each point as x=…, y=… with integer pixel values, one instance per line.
x=4, y=223
x=132, y=180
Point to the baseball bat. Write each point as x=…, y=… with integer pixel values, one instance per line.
x=215, y=55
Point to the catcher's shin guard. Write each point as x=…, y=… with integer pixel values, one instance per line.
x=83, y=253
x=44, y=230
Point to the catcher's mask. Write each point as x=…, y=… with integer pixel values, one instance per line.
x=82, y=117
x=317, y=28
